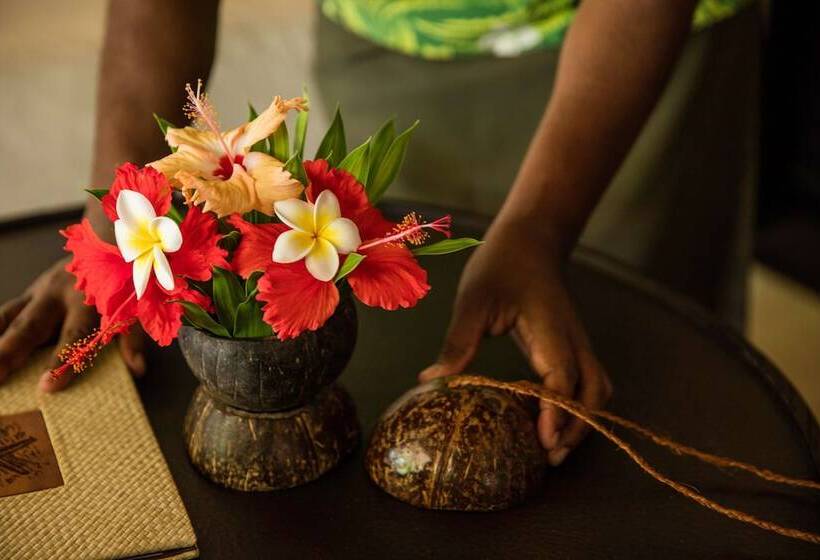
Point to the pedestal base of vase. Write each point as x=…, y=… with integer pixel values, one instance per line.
x=258, y=451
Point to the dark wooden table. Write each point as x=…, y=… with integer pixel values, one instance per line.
x=674, y=369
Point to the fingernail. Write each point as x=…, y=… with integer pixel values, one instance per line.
x=46, y=383
x=552, y=442
x=436, y=370
x=138, y=365
x=557, y=457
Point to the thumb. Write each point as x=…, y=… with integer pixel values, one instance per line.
x=460, y=343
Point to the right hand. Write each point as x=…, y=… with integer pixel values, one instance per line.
x=51, y=305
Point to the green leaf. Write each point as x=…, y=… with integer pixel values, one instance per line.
x=294, y=167
x=174, y=214
x=279, y=143
x=230, y=240
x=262, y=145
x=357, y=162
x=97, y=193
x=333, y=147
x=257, y=217
x=228, y=294
x=351, y=262
x=200, y=319
x=446, y=246
x=249, y=322
x=301, y=127
x=378, y=147
x=164, y=125
x=390, y=165
x=250, y=283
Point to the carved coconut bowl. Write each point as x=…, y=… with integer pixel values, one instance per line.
x=462, y=448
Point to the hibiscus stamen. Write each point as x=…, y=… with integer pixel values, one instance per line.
x=80, y=354
x=412, y=230
x=202, y=113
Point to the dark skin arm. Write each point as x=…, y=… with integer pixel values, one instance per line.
x=612, y=70
x=151, y=49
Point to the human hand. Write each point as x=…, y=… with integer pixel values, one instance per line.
x=513, y=284
x=50, y=305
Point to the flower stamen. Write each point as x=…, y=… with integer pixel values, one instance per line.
x=412, y=230
x=202, y=113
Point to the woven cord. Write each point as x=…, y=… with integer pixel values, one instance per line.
x=591, y=417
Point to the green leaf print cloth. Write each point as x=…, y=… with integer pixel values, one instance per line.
x=446, y=29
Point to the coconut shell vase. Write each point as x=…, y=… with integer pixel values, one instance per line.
x=268, y=414
x=458, y=448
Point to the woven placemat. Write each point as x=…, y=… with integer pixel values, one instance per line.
x=117, y=499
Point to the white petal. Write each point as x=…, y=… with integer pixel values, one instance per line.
x=326, y=209
x=142, y=272
x=129, y=241
x=323, y=261
x=134, y=209
x=296, y=213
x=168, y=233
x=162, y=269
x=343, y=234
x=292, y=246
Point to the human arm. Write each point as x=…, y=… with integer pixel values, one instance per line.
x=615, y=61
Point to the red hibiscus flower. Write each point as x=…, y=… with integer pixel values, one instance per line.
x=294, y=298
x=144, y=275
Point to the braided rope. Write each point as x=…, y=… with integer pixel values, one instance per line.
x=578, y=410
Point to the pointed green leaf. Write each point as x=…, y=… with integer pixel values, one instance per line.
x=279, y=143
x=301, y=126
x=249, y=322
x=357, y=162
x=446, y=246
x=200, y=319
x=257, y=217
x=164, y=125
x=262, y=145
x=378, y=147
x=250, y=283
x=390, y=165
x=228, y=294
x=174, y=214
x=333, y=147
x=294, y=167
x=97, y=193
x=351, y=262
x=230, y=240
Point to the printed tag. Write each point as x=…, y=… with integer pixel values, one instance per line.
x=27, y=460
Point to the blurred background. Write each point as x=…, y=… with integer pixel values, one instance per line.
x=50, y=50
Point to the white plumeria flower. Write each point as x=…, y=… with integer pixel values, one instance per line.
x=319, y=235
x=143, y=238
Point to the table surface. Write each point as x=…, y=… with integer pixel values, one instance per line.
x=674, y=368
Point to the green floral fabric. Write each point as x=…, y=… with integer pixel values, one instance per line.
x=445, y=29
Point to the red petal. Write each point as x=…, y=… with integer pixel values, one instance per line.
x=294, y=301
x=353, y=200
x=200, y=250
x=255, y=250
x=146, y=181
x=160, y=319
x=101, y=273
x=389, y=277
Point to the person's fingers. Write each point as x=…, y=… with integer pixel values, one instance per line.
x=32, y=326
x=461, y=341
x=550, y=356
x=132, y=348
x=10, y=310
x=594, y=391
x=79, y=323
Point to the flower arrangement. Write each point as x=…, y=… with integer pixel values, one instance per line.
x=259, y=241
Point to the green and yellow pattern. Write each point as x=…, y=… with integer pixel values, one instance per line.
x=446, y=29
